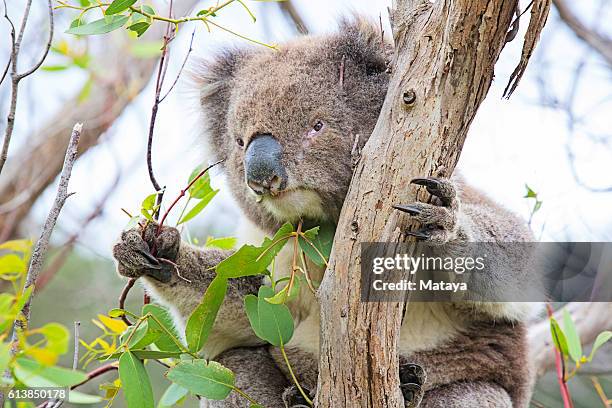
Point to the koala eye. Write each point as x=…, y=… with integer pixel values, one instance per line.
x=240, y=142
x=318, y=126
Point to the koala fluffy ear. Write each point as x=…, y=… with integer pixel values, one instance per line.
x=361, y=41
x=213, y=81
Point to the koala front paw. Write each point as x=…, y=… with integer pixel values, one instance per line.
x=292, y=398
x=412, y=378
x=135, y=248
x=439, y=220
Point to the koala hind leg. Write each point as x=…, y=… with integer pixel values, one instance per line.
x=467, y=395
x=256, y=374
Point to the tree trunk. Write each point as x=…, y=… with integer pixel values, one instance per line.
x=445, y=52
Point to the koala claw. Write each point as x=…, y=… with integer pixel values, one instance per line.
x=439, y=220
x=410, y=209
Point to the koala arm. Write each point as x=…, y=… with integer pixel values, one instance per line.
x=459, y=214
x=177, y=277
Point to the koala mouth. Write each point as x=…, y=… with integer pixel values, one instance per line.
x=293, y=204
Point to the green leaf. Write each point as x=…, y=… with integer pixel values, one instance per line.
x=34, y=374
x=284, y=294
x=140, y=27
x=116, y=312
x=76, y=22
x=222, y=243
x=250, y=260
x=275, y=321
x=198, y=207
x=147, y=9
x=558, y=337
x=212, y=380
x=164, y=342
x=135, y=382
x=322, y=238
x=530, y=193
x=149, y=202
x=250, y=307
x=84, y=3
x=76, y=397
x=117, y=6
x=57, y=337
x=571, y=335
x=145, y=335
x=201, y=188
x=145, y=355
x=601, y=339
x=54, y=68
x=173, y=394
x=200, y=323
x=102, y=26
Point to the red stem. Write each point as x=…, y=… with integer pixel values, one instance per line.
x=182, y=194
x=96, y=373
x=560, y=365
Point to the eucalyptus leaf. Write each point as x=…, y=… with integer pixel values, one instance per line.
x=34, y=374
x=202, y=319
x=322, y=238
x=250, y=260
x=275, y=321
x=173, y=394
x=117, y=6
x=135, y=382
x=571, y=335
x=102, y=26
x=601, y=339
x=164, y=342
x=558, y=337
x=212, y=380
x=198, y=207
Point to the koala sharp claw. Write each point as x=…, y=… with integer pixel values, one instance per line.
x=439, y=221
x=134, y=257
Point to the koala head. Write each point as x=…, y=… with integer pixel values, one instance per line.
x=286, y=120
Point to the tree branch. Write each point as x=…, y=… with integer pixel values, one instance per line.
x=292, y=14
x=445, y=53
x=594, y=39
x=16, y=77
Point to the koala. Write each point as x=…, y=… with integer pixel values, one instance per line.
x=285, y=122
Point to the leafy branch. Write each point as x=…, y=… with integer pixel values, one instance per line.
x=138, y=19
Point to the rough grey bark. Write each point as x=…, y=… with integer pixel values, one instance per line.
x=445, y=52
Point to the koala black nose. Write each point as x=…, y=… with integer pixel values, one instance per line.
x=264, y=170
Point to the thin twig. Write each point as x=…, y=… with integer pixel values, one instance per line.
x=96, y=373
x=291, y=12
x=182, y=194
x=180, y=70
x=123, y=296
x=75, y=360
x=16, y=77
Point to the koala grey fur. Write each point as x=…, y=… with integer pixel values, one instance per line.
x=473, y=356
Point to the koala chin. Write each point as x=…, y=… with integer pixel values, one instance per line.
x=293, y=205
x=286, y=123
